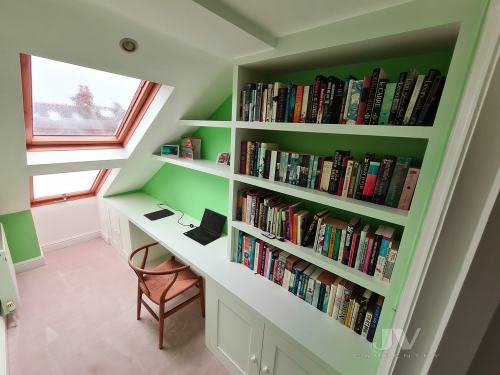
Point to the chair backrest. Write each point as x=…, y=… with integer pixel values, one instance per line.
x=141, y=271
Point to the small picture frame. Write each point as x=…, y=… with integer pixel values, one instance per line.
x=223, y=158
x=170, y=150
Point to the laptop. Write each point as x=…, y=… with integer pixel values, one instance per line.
x=210, y=228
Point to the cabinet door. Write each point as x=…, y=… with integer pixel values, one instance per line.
x=283, y=356
x=233, y=331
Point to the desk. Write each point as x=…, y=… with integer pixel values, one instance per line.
x=331, y=342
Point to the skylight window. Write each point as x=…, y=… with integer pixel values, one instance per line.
x=60, y=187
x=73, y=106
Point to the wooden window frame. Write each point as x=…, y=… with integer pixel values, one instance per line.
x=143, y=97
x=96, y=186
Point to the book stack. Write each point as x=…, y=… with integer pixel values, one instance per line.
x=351, y=305
x=369, y=249
x=390, y=181
x=373, y=100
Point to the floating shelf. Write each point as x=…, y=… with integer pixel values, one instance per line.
x=308, y=254
x=424, y=132
x=376, y=211
x=206, y=166
x=205, y=123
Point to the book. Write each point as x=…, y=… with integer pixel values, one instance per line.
x=336, y=106
x=365, y=164
x=290, y=103
x=355, y=96
x=397, y=97
x=338, y=298
x=422, y=96
x=362, y=247
x=374, y=321
x=368, y=316
x=370, y=242
x=408, y=188
x=365, y=91
x=405, y=96
x=351, y=227
x=347, y=99
x=413, y=98
x=388, y=236
x=363, y=307
x=332, y=295
x=345, y=160
x=347, y=177
x=377, y=243
x=397, y=181
x=305, y=101
x=377, y=101
x=353, y=178
x=311, y=286
x=377, y=74
x=276, y=98
x=298, y=103
x=390, y=261
x=262, y=153
x=326, y=279
x=348, y=290
x=316, y=97
x=371, y=179
x=308, y=239
x=429, y=109
x=383, y=179
x=385, y=108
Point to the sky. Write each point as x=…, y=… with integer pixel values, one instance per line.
x=57, y=82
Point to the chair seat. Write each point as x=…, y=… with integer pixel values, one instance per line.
x=157, y=283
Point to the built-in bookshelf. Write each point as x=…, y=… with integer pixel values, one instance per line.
x=425, y=144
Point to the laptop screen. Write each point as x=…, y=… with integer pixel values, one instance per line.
x=213, y=222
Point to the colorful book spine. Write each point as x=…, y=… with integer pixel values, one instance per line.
x=377, y=102
x=365, y=92
x=397, y=181
x=385, y=109
x=371, y=180
x=352, y=110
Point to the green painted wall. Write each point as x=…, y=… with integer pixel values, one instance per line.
x=192, y=191
x=21, y=235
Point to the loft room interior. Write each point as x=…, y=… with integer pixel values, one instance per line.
x=229, y=187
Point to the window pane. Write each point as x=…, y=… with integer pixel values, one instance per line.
x=73, y=100
x=63, y=183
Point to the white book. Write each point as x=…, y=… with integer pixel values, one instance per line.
x=262, y=158
x=263, y=112
x=333, y=293
x=413, y=98
x=325, y=175
x=338, y=299
x=361, y=247
x=256, y=256
x=347, y=100
x=305, y=100
x=347, y=180
x=272, y=166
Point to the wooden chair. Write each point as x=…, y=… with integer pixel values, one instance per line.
x=162, y=283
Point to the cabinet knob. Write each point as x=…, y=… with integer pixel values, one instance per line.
x=253, y=358
x=265, y=369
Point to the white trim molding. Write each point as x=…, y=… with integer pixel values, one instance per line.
x=29, y=264
x=69, y=241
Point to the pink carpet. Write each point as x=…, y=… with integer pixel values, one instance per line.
x=78, y=317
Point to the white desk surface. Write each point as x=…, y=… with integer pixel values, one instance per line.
x=337, y=345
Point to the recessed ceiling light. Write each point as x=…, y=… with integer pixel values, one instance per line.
x=128, y=44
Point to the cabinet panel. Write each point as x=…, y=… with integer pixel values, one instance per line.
x=233, y=333
x=283, y=356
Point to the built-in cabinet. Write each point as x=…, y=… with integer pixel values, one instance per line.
x=246, y=344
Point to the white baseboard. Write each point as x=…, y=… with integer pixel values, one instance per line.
x=65, y=242
x=29, y=264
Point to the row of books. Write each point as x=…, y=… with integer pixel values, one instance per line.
x=373, y=100
x=390, y=181
x=348, y=303
x=371, y=250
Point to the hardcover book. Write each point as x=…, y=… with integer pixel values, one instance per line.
x=397, y=181
x=385, y=109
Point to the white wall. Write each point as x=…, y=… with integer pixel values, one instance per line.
x=62, y=224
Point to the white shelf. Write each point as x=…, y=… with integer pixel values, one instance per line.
x=205, y=123
x=205, y=166
x=376, y=211
x=308, y=254
x=424, y=132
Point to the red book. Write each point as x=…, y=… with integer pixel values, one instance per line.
x=371, y=180
x=365, y=92
x=354, y=248
x=298, y=103
x=370, y=237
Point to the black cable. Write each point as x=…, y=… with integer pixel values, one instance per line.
x=180, y=218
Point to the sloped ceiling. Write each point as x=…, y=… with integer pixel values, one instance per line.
x=184, y=44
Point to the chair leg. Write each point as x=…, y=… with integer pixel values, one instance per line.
x=139, y=298
x=161, y=321
x=202, y=296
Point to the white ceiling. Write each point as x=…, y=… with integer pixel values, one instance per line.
x=283, y=17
